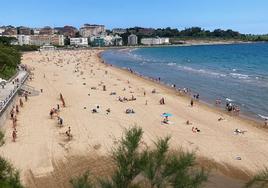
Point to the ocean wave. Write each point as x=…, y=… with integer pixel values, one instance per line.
x=171, y=64
x=263, y=117
x=201, y=71
x=234, y=73
x=240, y=76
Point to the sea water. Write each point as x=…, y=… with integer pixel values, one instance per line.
x=236, y=72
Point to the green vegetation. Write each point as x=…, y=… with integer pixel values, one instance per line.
x=260, y=180
x=26, y=48
x=9, y=59
x=157, y=168
x=2, y=136
x=82, y=182
x=10, y=56
x=6, y=40
x=9, y=177
x=193, y=33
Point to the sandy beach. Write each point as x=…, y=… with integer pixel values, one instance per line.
x=80, y=77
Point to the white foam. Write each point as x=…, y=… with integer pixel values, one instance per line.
x=263, y=117
x=229, y=100
x=240, y=76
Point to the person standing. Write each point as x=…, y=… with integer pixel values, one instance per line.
x=14, y=135
x=192, y=103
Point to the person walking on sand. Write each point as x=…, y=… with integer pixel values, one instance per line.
x=192, y=103
x=21, y=103
x=58, y=107
x=14, y=121
x=162, y=101
x=12, y=113
x=14, y=135
x=17, y=109
x=60, y=121
x=68, y=133
x=51, y=113
x=26, y=97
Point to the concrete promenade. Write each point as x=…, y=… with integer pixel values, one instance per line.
x=11, y=88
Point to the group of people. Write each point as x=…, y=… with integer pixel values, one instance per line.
x=124, y=99
x=13, y=115
x=232, y=108
x=54, y=112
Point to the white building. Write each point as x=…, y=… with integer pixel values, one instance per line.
x=118, y=41
x=24, y=39
x=47, y=48
x=79, y=41
x=36, y=31
x=132, y=40
x=109, y=40
x=91, y=30
x=154, y=41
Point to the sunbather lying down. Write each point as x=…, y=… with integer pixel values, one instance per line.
x=122, y=99
x=195, y=130
x=129, y=111
x=237, y=131
x=94, y=110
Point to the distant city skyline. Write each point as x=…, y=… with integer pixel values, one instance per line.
x=245, y=16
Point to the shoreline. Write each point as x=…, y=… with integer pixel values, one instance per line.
x=242, y=115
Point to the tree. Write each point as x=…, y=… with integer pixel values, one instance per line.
x=67, y=41
x=129, y=161
x=6, y=40
x=260, y=180
x=155, y=168
x=9, y=59
x=9, y=177
x=164, y=169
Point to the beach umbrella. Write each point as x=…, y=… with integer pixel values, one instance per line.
x=166, y=115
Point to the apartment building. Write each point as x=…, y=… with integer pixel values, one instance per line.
x=91, y=30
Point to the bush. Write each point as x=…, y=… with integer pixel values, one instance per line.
x=260, y=180
x=149, y=168
x=2, y=136
x=9, y=177
x=82, y=182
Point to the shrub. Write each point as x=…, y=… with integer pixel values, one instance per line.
x=2, y=136
x=149, y=168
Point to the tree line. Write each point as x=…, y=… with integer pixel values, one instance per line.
x=193, y=33
x=10, y=56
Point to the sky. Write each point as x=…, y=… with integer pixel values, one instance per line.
x=245, y=16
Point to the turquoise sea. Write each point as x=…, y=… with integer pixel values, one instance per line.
x=238, y=72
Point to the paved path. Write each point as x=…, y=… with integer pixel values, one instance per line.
x=11, y=88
